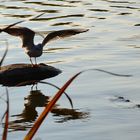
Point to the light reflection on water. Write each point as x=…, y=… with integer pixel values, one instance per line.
x=112, y=43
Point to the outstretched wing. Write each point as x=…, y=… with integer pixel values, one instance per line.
x=62, y=34
x=26, y=34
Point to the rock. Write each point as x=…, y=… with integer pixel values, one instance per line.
x=25, y=74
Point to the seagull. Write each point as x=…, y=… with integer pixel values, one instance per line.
x=27, y=36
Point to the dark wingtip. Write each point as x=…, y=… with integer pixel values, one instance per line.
x=86, y=30
x=9, y=26
x=82, y=30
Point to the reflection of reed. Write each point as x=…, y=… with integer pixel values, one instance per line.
x=29, y=114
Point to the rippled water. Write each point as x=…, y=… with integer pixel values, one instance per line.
x=106, y=107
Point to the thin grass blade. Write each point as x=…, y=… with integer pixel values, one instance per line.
x=112, y=73
x=5, y=132
x=5, y=53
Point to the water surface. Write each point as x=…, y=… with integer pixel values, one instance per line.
x=107, y=107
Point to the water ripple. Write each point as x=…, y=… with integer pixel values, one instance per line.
x=99, y=10
x=113, y=1
x=48, y=11
x=17, y=16
x=14, y=7
x=61, y=23
x=127, y=7
x=49, y=4
x=112, y=43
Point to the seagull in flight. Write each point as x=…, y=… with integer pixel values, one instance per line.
x=27, y=36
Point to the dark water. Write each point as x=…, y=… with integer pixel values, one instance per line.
x=106, y=107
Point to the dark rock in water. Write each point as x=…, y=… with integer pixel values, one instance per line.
x=25, y=74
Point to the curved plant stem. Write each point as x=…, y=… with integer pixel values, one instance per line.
x=4, y=136
x=70, y=100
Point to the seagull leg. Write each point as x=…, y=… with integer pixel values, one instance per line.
x=31, y=61
x=34, y=65
x=34, y=85
x=35, y=61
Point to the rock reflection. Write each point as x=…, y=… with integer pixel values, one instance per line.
x=36, y=99
x=29, y=114
x=65, y=114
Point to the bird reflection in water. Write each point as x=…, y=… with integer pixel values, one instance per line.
x=29, y=114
